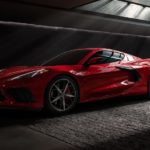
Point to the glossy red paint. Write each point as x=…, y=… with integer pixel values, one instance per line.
x=96, y=82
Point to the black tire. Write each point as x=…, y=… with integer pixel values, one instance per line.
x=57, y=99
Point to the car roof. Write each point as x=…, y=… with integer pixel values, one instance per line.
x=99, y=49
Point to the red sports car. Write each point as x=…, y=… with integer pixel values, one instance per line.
x=76, y=76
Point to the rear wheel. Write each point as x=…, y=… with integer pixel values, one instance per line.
x=62, y=95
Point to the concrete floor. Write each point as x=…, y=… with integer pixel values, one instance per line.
x=15, y=133
x=23, y=138
x=116, y=124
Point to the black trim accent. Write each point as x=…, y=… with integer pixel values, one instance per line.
x=136, y=75
x=21, y=94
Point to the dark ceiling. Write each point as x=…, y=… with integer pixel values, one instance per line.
x=58, y=3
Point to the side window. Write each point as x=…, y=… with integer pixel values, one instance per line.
x=117, y=57
x=106, y=56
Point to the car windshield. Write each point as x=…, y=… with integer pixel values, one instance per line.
x=72, y=57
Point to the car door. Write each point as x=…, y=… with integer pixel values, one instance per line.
x=104, y=79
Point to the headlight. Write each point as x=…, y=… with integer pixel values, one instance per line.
x=29, y=74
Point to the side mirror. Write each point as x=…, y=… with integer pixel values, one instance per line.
x=93, y=61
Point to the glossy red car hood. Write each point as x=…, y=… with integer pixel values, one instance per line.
x=12, y=71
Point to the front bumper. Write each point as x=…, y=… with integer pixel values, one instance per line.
x=22, y=93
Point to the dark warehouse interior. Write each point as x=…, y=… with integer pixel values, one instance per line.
x=32, y=31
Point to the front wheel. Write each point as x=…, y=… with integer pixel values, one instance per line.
x=62, y=95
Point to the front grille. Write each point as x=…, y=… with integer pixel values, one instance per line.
x=2, y=98
x=21, y=94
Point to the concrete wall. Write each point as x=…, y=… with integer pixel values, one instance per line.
x=16, y=12
x=24, y=44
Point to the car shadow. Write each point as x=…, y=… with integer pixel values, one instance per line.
x=12, y=117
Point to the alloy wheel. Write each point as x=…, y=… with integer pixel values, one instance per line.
x=62, y=95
